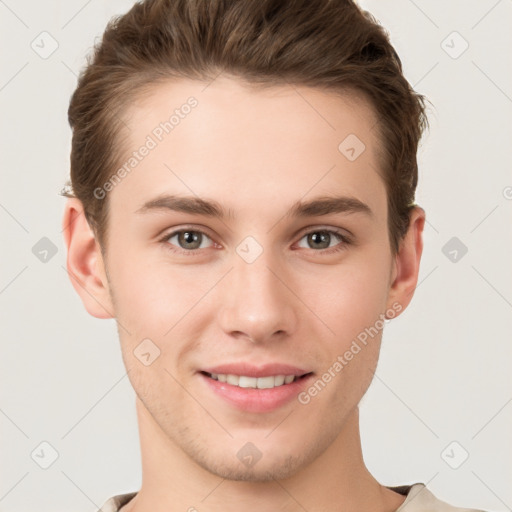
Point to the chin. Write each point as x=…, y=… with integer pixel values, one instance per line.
x=260, y=472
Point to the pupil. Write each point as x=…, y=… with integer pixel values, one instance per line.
x=320, y=237
x=190, y=237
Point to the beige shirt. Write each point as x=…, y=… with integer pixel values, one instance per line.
x=419, y=499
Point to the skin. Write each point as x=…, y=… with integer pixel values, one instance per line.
x=255, y=152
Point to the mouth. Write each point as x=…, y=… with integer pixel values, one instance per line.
x=254, y=394
x=245, y=381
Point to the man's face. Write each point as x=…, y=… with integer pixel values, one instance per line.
x=260, y=287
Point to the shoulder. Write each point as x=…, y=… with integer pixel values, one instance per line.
x=115, y=503
x=421, y=499
x=418, y=499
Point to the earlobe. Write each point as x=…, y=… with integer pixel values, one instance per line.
x=84, y=261
x=407, y=261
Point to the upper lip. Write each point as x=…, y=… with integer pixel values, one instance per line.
x=250, y=370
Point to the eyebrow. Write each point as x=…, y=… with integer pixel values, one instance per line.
x=210, y=208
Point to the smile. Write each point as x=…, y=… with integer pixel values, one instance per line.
x=255, y=394
x=244, y=381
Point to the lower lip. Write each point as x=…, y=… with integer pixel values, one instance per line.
x=257, y=400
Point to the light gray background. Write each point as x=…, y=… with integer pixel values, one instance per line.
x=444, y=373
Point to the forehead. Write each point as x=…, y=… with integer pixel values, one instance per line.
x=248, y=145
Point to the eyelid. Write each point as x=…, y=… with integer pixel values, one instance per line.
x=345, y=233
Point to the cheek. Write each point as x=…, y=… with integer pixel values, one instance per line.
x=168, y=305
x=153, y=294
x=154, y=306
x=353, y=308
x=350, y=298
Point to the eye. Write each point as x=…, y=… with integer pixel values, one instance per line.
x=322, y=238
x=187, y=240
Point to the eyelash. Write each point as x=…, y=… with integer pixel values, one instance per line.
x=345, y=240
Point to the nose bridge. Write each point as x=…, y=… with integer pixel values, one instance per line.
x=257, y=302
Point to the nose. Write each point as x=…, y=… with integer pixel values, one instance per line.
x=257, y=302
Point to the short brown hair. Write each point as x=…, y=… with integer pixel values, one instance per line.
x=329, y=44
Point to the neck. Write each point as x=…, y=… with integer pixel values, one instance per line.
x=337, y=480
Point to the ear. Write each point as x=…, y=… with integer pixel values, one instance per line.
x=404, y=275
x=84, y=262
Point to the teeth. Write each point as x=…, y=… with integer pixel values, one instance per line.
x=243, y=381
